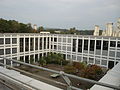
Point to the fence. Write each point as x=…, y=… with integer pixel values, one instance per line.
x=65, y=76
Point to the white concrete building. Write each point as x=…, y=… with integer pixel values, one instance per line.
x=101, y=50
x=96, y=32
x=112, y=31
x=35, y=27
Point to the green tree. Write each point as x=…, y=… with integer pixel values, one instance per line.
x=72, y=30
x=40, y=29
x=12, y=26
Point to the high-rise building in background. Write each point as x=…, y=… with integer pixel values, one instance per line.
x=112, y=30
x=96, y=32
x=35, y=27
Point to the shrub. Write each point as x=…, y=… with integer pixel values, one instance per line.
x=70, y=69
x=79, y=66
x=92, y=72
x=42, y=61
x=65, y=62
x=31, y=60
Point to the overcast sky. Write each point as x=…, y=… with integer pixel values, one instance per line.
x=82, y=14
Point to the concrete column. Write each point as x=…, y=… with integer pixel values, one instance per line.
x=18, y=47
x=4, y=63
x=24, y=47
x=94, y=50
x=29, y=48
x=34, y=48
x=82, y=48
x=88, y=49
x=50, y=44
x=101, y=50
x=4, y=46
x=76, y=47
x=11, y=50
x=38, y=47
x=24, y=44
x=116, y=49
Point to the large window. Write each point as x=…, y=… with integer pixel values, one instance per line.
x=36, y=43
x=74, y=45
x=1, y=40
x=48, y=43
x=14, y=50
x=79, y=45
x=55, y=39
x=105, y=45
x=64, y=39
x=36, y=57
x=7, y=40
x=26, y=44
x=98, y=44
x=118, y=44
x=31, y=44
x=1, y=51
x=7, y=51
x=85, y=44
x=92, y=44
x=14, y=40
x=55, y=46
x=40, y=43
x=44, y=42
x=112, y=43
x=51, y=38
x=21, y=44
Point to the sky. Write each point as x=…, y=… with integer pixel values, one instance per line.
x=82, y=14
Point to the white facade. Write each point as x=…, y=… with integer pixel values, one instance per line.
x=112, y=31
x=96, y=31
x=35, y=27
x=103, y=51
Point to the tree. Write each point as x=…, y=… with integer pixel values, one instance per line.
x=79, y=66
x=70, y=69
x=72, y=30
x=40, y=29
x=92, y=72
x=42, y=61
x=12, y=26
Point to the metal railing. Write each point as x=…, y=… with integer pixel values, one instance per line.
x=64, y=75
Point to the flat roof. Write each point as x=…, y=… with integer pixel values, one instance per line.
x=28, y=80
x=1, y=34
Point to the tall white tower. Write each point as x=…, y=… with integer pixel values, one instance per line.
x=96, y=31
x=35, y=27
x=118, y=24
x=109, y=29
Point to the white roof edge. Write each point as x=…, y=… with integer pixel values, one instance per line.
x=112, y=77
